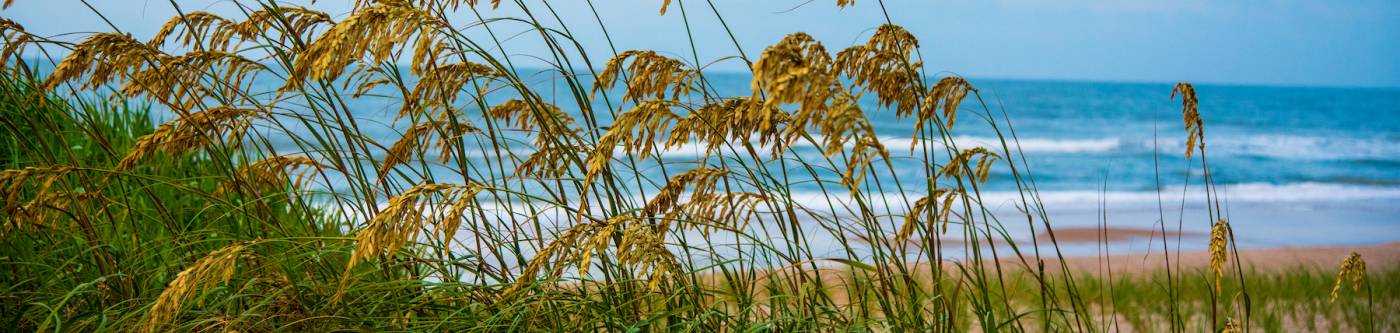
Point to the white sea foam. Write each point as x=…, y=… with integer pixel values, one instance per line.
x=1292, y=147
x=1235, y=193
x=1232, y=193
x=1048, y=145
x=904, y=144
x=1310, y=147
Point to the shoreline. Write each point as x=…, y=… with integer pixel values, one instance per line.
x=1381, y=257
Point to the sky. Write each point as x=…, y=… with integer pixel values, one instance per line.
x=1267, y=42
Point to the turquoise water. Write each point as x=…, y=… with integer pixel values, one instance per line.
x=1296, y=165
x=1264, y=144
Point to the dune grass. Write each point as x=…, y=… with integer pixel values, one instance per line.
x=263, y=204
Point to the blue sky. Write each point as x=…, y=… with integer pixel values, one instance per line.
x=1275, y=42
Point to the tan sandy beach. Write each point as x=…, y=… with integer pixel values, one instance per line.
x=1379, y=257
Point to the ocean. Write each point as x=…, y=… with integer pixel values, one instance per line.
x=1297, y=166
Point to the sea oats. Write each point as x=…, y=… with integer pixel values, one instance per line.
x=549, y=161
x=749, y=118
x=1230, y=326
x=274, y=172
x=439, y=86
x=709, y=124
x=1219, y=250
x=702, y=179
x=710, y=211
x=565, y=246
x=867, y=148
x=293, y=23
x=401, y=219
x=883, y=65
x=45, y=210
x=189, y=132
x=370, y=33
x=12, y=183
x=948, y=93
x=449, y=5
x=839, y=123
x=103, y=58
x=639, y=245
x=200, y=30
x=1191, y=117
x=652, y=76
x=15, y=40
x=1353, y=268
x=928, y=207
x=445, y=135
x=636, y=130
x=643, y=248
x=549, y=120
x=957, y=166
x=404, y=217
x=664, y=4
x=214, y=269
x=796, y=70
x=182, y=82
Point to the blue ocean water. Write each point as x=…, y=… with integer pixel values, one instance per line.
x=1310, y=165
x=1296, y=165
x=1128, y=137
x=1076, y=133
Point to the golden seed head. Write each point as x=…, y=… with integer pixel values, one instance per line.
x=703, y=179
x=15, y=40
x=1353, y=268
x=290, y=21
x=212, y=270
x=370, y=33
x=949, y=93
x=532, y=114
x=1219, y=249
x=1191, y=117
x=445, y=135
x=884, y=66
x=274, y=172
x=195, y=29
x=1230, y=326
x=102, y=58
x=180, y=81
x=957, y=167
x=406, y=215
x=439, y=87
x=12, y=184
x=549, y=161
x=191, y=131
x=928, y=206
x=432, y=4
x=711, y=123
x=795, y=70
x=664, y=4
x=636, y=130
x=652, y=76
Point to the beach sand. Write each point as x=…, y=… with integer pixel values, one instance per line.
x=1379, y=257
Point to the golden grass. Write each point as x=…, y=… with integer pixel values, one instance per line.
x=1219, y=249
x=1354, y=269
x=214, y=269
